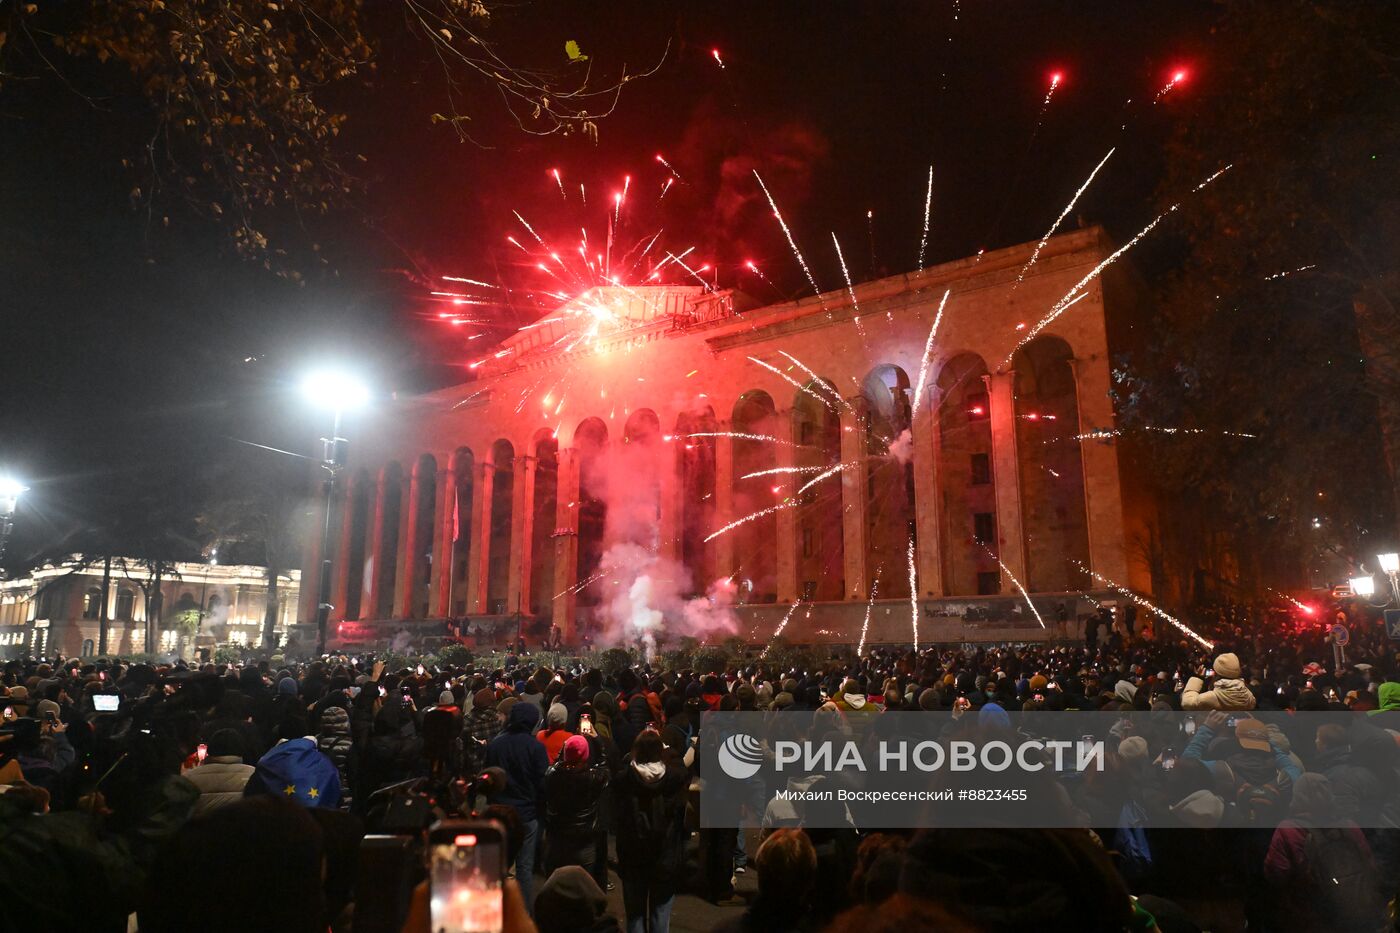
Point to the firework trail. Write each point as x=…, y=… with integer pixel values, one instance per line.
x=582, y=195
x=827, y=474
x=1284, y=275
x=850, y=289
x=870, y=235
x=1007, y=570
x=670, y=168
x=459, y=278
x=714, y=53
x=1104, y=434
x=787, y=617
x=791, y=242
x=1177, y=77
x=928, y=357
x=526, y=224
x=1069, y=298
x=772, y=509
x=1035, y=254
x=816, y=379
x=1285, y=597
x=665, y=188
x=791, y=381
x=775, y=471
x=738, y=436
x=913, y=594
x=869, y=607
x=1123, y=591
x=580, y=586
x=560, y=182
x=928, y=208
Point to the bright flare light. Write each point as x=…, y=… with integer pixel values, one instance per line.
x=335, y=389
x=1390, y=563
x=1123, y=591
x=1363, y=586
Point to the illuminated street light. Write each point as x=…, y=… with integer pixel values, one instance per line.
x=10, y=491
x=1390, y=565
x=338, y=391
x=1363, y=586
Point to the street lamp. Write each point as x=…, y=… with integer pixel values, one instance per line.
x=338, y=391
x=1363, y=586
x=1390, y=565
x=10, y=491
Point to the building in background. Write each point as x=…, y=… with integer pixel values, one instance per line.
x=58, y=608
x=888, y=482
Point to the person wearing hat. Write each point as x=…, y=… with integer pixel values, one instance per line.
x=555, y=732
x=572, y=902
x=522, y=756
x=222, y=777
x=479, y=727
x=333, y=740
x=1229, y=691
x=573, y=787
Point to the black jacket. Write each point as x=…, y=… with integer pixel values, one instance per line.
x=651, y=822
x=571, y=798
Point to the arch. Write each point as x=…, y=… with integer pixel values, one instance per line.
x=387, y=553
x=821, y=546
x=591, y=443
x=462, y=466
x=545, y=449
x=355, y=583
x=126, y=604
x=695, y=466
x=889, y=479
x=502, y=519
x=92, y=603
x=1053, y=505
x=88, y=649
x=635, y=513
x=756, y=558
x=419, y=564
x=966, y=487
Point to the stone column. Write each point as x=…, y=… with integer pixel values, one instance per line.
x=724, y=502
x=1006, y=475
x=672, y=499
x=369, y=601
x=479, y=561
x=406, y=583
x=565, y=539
x=1103, y=496
x=342, y=573
x=440, y=587
x=522, y=518
x=785, y=455
x=853, y=504
x=927, y=507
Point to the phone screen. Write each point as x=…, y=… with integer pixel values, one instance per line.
x=585, y=724
x=465, y=872
x=106, y=702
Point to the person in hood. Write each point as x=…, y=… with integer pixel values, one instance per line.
x=571, y=902
x=1228, y=693
x=573, y=787
x=517, y=752
x=1388, y=701
x=555, y=732
x=649, y=800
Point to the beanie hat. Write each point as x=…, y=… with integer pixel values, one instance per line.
x=287, y=686
x=504, y=707
x=782, y=700
x=485, y=698
x=994, y=716
x=446, y=699
x=928, y=700
x=47, y=706
x=1038, y=683
x=1227, y=665
x=1133, y=748
x=556, y=716
x=576, y=750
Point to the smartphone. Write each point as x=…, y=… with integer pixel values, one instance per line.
x=101, y=675
x=1230, y=721
x=51, y=716
x=9, y=713
x=382, y=691
x=1168, y=760
x=651, y=727
x=105, y=702
x=466, y=871
x=585, y=724
x=201, y=752
x=1189, y=727
x=420, y=670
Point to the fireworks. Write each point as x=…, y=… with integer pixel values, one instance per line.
x=1104, y=434
x=928, y=356
x=1017, y=583
x=783, y=470
x=817, y=380
x=1059, y=220
x=771, y=510
x=1129, y=594
x=787, y=617
x=1077, y=292
x=739, y=436
x=791, y=242
x=850, y=289
x=826, y=474
x=560, y=182
x=791, y=381
x=1284, y=275
x=928, y=208
x=869, y=608
x=913, y=593
x=1177, y=77
x=714, y=53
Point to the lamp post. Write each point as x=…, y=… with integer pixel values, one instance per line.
x=10, y=491
x=1390, y=566
x=339, y=392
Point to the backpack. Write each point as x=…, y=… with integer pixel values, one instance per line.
x=1130, y=842
x=1343, y=879
x=1259, y=804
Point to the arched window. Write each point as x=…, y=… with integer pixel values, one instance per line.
x=88, y=648
x=126, y=604
x=92, y=603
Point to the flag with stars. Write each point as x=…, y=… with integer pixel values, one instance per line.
x=297, y=770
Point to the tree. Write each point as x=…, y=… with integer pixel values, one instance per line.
x=1255, y=332
x=242, y=103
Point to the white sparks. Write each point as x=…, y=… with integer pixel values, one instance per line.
x=459, y=278
x=913, y=593
x=869, y=607
x=1123, y=591
x=748, y=518
x=1063, y=214
x=818, y=380
x=791, y=381
x=740, y=436
x=845, y=274
x=826, y=474
x=1284, y=275
x=1017, y=583
x=526, y=224
x=783, y=471
x=791, y=242
x=787, y=617
x=928, y=355
x=928, y=208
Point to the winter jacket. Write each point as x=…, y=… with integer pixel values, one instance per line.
x=1227, y=694
x=571, y=798
x=334, y=742
x=523, y=759
x=220, y=780
x=649, y=802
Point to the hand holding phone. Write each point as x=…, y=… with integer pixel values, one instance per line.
x=466, y=873
x=585, y=725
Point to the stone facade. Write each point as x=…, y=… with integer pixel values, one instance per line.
x=503, y=496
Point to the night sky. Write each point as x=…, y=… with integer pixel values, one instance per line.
x=130, y=351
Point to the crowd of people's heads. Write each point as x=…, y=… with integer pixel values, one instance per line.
x=223, y=779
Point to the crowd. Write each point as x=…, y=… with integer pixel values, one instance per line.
x=261, y=796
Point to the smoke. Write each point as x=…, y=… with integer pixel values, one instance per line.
x=902, y=447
